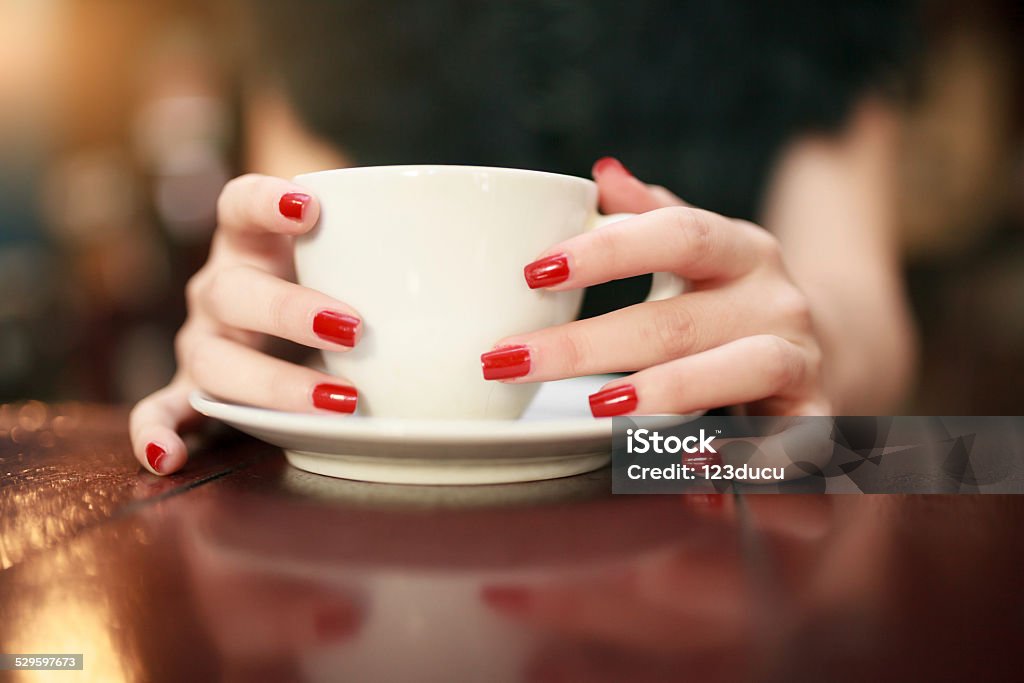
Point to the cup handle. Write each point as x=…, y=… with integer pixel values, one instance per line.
x=663, y=285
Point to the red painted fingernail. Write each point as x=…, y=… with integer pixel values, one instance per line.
x=293, y=205
x=340, y=399
x=155, y=455
x=547, y=272
x=336, y=327
x=506, y=362
x=615, y=401
x=507, y=598
x=699, y=460
x=606, y=164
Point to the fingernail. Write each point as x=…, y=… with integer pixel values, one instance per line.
x=615, y=401
x=336, y=327
x=509, y=599
x=605, y=164
x=293, y=205
x=340, y=399
x=699, y=460
x=506, y=362
x=333, y=624
x=547, y=271
x=154, y=456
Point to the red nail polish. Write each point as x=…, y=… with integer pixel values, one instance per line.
x=615, y=401
x=507, y=598
x=547, y=272
x=155, y=455
x=698, y=460
x=506, y=362
x=606, y=164
x=336, y=327
x=340, y=399
x=293, y=205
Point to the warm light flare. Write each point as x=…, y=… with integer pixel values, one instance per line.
x=29, y=37
x=61, y=617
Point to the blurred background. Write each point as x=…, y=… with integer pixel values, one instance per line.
x=120, y=121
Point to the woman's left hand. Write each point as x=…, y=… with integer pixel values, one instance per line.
x=742, y=334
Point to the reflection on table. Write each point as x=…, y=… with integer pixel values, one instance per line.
x=242, y=568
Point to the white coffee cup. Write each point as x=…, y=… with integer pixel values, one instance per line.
x=432, y=258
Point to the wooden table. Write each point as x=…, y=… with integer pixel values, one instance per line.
x=242, y=568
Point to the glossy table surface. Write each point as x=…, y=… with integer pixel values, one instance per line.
x=242, y=568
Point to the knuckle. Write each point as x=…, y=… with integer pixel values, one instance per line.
x=183, y=343
x=194, y=352
x=679, y=216
x=783, y=364
x=606, y=243
x=215, y=292
x=222, y=287
x=201, y=359
x=766, y=244
x=795, y=308
x=695, y=227
x=700, y=232
x=228, y=192
x=813, y=359
x=280, y=310
x=574, y=350
x=674, y=330
x=194, y=290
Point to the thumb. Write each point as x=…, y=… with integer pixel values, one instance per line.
x=155, y=426
x=619, y=191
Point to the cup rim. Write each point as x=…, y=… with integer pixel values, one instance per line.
x=439, y=169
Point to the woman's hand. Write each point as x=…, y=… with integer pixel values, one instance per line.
x=238, y=302
x=742, y=334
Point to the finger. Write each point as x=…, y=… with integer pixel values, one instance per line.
x=740, y=372
x=240, y=374
x=650, y=333
x=665, y=197
x=600, y=609
x=251, y=299
x=155, y=425
x=693, y=243
x=618, y=191
x=252, y=206
x=616, y=609
x=628, y=339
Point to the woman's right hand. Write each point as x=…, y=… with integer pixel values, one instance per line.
x=241, y=298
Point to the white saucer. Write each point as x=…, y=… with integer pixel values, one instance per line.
x=556, y=437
